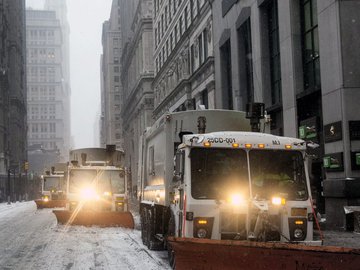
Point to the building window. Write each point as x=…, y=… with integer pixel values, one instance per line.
x=201, y=57
x=246, y=62
x=274, y=52
x=171, y=41
x=116, y=60
x=116, y=78
x=162, y=24
x=176, y=33
x=226, y=76
x=156, y=38
x=159, y=32
x=186, y=17
x=116, y=69
x=167, y=48
x=192, y=58
x=170, y=17
x=206, y=48
x=310, y=43
x=181, y=25
x=166, y=16
x=205, y=98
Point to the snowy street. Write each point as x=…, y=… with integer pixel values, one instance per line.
x=31, y=239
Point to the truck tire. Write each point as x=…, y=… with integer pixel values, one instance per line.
x=144, y=226
x=151, y=241
x=171, y=257
x=171, y=232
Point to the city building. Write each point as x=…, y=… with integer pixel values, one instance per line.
x=301, y=59
x=183, y=56
x=48, y=80
x=111, y=88
x=13, y=128
x=137, y=74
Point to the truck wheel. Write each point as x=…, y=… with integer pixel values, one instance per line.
x=171, y=232
x=150, y=230
x=171, y=256
x=144, y=226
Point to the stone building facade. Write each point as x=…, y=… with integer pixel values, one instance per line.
x=13, y=144
x=137, y=75
x=299, y=57
x=111, y=89
x=183, y=56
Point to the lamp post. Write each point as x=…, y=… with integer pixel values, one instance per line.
x=8, y=187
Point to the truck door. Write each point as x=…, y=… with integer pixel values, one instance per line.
x=179, y=179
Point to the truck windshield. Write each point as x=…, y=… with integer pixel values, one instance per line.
x=80, y=179
x=218, y=173
x=277, y=173
x=51, y=183
x=101, y=180
x=111, y=181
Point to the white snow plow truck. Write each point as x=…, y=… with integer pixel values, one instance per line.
x=96, y=189
x=53, y=187
x=208, y=183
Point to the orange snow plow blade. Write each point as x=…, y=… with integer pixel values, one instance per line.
x=226, y=254
x=96, y=218
x=50, y=204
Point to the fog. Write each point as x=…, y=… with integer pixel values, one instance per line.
x=85, y=19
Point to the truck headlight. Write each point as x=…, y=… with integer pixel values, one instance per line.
x=298, y=233
x=88, y=194
x=203, y=227
x=236, y=199
x=201, y=233
x=278, y=201
x=107, y=193
x=46, y=198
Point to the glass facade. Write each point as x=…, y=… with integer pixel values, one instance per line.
x=274, y=52
x=310, y=45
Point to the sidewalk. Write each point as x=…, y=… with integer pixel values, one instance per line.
x=342, y=239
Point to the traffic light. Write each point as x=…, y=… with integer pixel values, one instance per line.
x=26, y=165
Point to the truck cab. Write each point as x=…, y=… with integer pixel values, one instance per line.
x=242, y=186
x=96, y=186
x=53, y=186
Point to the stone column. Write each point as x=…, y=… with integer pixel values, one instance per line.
x=291, y=67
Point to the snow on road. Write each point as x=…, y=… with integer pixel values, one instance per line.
x=31, y=239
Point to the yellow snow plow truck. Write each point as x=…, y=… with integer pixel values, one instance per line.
x=96, y=189
x=53, y=188
x=231, y=195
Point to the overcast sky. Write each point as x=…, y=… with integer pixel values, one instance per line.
x=85, y=19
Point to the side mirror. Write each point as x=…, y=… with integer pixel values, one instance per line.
x=312, y=145
x=179, y=166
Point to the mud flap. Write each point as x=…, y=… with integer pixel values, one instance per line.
x=95, y=218
x=40, y=204
x=193, y=253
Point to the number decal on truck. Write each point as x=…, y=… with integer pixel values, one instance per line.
x=221, y=140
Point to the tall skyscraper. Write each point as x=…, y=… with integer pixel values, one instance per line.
x=48, y=82
x=111, y=88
